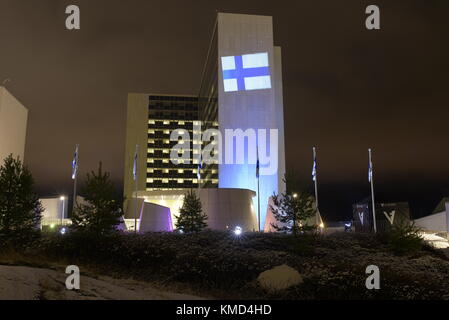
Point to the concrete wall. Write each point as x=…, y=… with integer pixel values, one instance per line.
x=155, y=218
x=225, y=208
x=447, y=218
x=435, y=222
x=136, y=133
x=13, y=125
x=250, y=109
x=229, y=208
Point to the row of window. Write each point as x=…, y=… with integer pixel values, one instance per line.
x=177, y=182
x=171, y=98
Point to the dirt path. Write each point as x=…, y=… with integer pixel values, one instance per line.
x=25, y=283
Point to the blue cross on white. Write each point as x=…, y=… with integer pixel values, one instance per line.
x=246, y=72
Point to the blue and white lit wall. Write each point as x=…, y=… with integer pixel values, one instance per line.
x=250, y=96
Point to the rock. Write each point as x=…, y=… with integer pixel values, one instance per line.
x=279, y=278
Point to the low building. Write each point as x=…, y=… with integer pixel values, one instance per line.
x=55, y=212
x=438, y=221
x=387, y=215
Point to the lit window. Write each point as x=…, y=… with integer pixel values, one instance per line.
x=180, y=171
x=180, y=180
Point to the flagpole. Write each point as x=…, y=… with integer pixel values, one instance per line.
x=198, y=174
x=258, y=201
x=135, y=176
x=316, y=188
x=372, y=191
x=75, y=178
x=258, y=187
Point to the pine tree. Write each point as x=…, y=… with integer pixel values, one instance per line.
x=20, y=208
x=293, y=209
x=191, y=217
x=101, y=212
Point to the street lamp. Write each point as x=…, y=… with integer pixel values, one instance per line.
x=295, y=195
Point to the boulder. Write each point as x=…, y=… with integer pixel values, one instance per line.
x=279, y=278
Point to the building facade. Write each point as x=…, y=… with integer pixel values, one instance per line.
x=241, y=89
x=240, y=92
x=151, y=120
x=438, y=221
x=13, y=126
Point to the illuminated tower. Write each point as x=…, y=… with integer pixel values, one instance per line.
x=242, y=89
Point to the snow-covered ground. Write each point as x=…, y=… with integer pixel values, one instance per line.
x=25, y=283
x=435, y=240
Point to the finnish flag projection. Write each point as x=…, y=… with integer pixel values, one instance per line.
x=246, y=72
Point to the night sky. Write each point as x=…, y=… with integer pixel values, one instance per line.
x=345, y=88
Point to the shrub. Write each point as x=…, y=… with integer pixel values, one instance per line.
x=20, y=208
x=102, y=211
x=404, y=239
x=191, y=217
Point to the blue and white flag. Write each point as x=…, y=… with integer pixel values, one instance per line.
x=257, y=163
x=314, y=165
x=257, y=167
x=370, y=169
x=246, y=72
x=200, y=166
x=135, y=163
x=75, y=163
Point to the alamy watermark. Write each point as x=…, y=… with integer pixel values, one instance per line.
x=73, y=280
x=238, y=146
